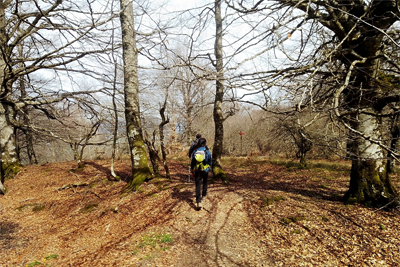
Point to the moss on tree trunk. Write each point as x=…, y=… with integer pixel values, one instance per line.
x=369, y=181
x=303, y=161
x=218, y=173
x=140, y=166
x=10, y=170
x=369, y=184
x=139, y=177
x=8, y=158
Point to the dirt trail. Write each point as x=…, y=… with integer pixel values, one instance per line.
x=220, y=233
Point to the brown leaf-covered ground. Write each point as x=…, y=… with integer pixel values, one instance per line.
x=271, y=214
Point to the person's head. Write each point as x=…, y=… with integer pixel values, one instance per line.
x=202, y=142
x=198, y=136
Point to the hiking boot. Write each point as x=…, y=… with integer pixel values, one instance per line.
x=199, y=205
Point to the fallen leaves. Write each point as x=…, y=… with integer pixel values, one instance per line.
x=268, y=214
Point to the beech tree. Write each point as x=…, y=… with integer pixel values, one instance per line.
x=361, y=32
x=336, y=57
x=219, y=96
x=29, y=47
x=140, y=166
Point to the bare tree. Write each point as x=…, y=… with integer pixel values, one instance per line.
x=153, y=153
x=115, y=132
x=394, y=142
x=115, y=109
x=360, y=32
x=337, y=55
x=164, y=121
x=79, y=145
x=30, y=24
x=219, y=96
x=25, y=117
x=140, y=166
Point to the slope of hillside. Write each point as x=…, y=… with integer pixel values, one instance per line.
x=269, y=215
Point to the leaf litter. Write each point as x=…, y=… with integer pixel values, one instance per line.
x=268, y=215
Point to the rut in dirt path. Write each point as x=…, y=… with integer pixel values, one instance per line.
x=221, y=233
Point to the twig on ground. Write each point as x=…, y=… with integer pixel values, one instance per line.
x=68, y=186
x=97, y=195
x=27, y=199
x=77, y=176
x=33, y=251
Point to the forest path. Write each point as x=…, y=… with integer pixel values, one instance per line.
x=220, y=233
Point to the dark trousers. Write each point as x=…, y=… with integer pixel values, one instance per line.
x=200, y=178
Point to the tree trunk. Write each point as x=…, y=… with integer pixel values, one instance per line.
x=115, y=133
x=75, y=149
x=164, y=121
x=25, y=115
x=8, y=155
x=17, y=144
x=369, y=180
x=2, y=188
x=29, y=147
x=189, y=126
x=9, y=163
x=304, y=145
x=394, y=142
x=153, y=153
x=303, y=161
x=219, y=95
x=53, y=150
x=140, y=166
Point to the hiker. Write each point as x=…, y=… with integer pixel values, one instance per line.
x=200, y=166
x=194, y=145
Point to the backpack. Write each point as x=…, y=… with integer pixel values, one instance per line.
x=200, y=157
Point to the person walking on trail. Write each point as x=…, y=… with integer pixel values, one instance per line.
x=194, y=145
x=200, y=166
